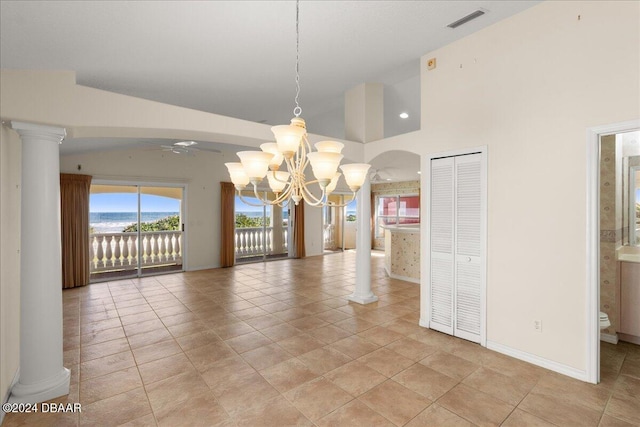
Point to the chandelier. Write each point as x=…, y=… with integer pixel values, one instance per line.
x=293, y=148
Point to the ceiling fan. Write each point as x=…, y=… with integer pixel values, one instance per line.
x=376, y=178
x=186, y=147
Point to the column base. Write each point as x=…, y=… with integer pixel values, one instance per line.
x=368, y=299
x=43, y=390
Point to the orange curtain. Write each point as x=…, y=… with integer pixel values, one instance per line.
x=74, y=214
x=228, y=224
x=298, y=231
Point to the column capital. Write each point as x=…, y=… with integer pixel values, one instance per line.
x=52, y=133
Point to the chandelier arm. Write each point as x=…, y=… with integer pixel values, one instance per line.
x=342, y=205
x=307, y=196
x=285, y=195
x=307, y=143
x=249, y=203
x=275, y=176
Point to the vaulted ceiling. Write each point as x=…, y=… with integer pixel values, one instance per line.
x=237, y=58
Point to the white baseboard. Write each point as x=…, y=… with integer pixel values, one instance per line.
x=405, y=278
x=423, y=323
x=629, y=338
x=209, y=267
x=610, y=338
x=539, y=361
x=5, y=399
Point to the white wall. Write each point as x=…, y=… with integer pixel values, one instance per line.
x=10, y=157
x=528, y=88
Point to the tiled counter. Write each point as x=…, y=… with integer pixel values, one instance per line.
x=402, y=252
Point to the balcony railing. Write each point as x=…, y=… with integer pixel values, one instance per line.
x=330, y=242
x=119, y=251
x=252, y=241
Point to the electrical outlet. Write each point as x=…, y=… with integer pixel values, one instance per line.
x=537, y=325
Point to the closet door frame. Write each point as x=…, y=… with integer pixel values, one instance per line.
x=425, y=235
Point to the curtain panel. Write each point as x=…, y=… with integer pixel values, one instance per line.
x=372, y=220
x=227, y=224
x=298, y=231
x=74, y=215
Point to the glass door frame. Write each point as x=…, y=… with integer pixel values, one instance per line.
x=137, y=272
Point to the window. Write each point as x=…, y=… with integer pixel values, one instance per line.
x=396, y=210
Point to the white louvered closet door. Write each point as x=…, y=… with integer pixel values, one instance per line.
x=441, y=313
x=456, y=246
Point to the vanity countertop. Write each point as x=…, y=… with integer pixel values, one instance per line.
x=628, y=253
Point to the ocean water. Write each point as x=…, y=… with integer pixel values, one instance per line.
x=115, y=222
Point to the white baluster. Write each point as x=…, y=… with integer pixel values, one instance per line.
x=133, y=259
x=93, y=248
x=125, y=250
x=145, y=248
x=117, y=250
x=100, y=253
x=109, y=251
x=171, y=255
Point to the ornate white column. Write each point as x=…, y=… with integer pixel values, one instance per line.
x=42, y=375
x=363, y=293
x=364, y=119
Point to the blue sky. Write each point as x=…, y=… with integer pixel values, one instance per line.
x=128, y=202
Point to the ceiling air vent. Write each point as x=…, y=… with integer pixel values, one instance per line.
x=466, y=19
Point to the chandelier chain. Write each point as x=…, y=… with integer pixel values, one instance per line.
x=297, y=111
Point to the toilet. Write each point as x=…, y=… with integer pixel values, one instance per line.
x=604, y=321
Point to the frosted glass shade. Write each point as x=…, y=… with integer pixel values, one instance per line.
x=237, y=174
x=272, y=147
x=355, y=174
x=329, y=146
x=255, y=163
x=277, y=182
x=324, y=165
x=334, y=183
x=288, y=138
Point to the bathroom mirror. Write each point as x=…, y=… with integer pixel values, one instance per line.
x=634, y=205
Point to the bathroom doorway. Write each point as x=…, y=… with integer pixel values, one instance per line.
x=610, y=218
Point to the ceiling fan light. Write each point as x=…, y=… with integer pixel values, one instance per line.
x=355, y=174
x=272, y=147
x=329, y=147
x=255, y=163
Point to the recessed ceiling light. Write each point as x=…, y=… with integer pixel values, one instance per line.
x=404, y=115
x=419, y=172
x=388, y=179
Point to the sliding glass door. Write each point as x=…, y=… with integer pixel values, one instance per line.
x=261, y=232
x=135, y=230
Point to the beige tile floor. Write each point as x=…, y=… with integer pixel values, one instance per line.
x=277, y=344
